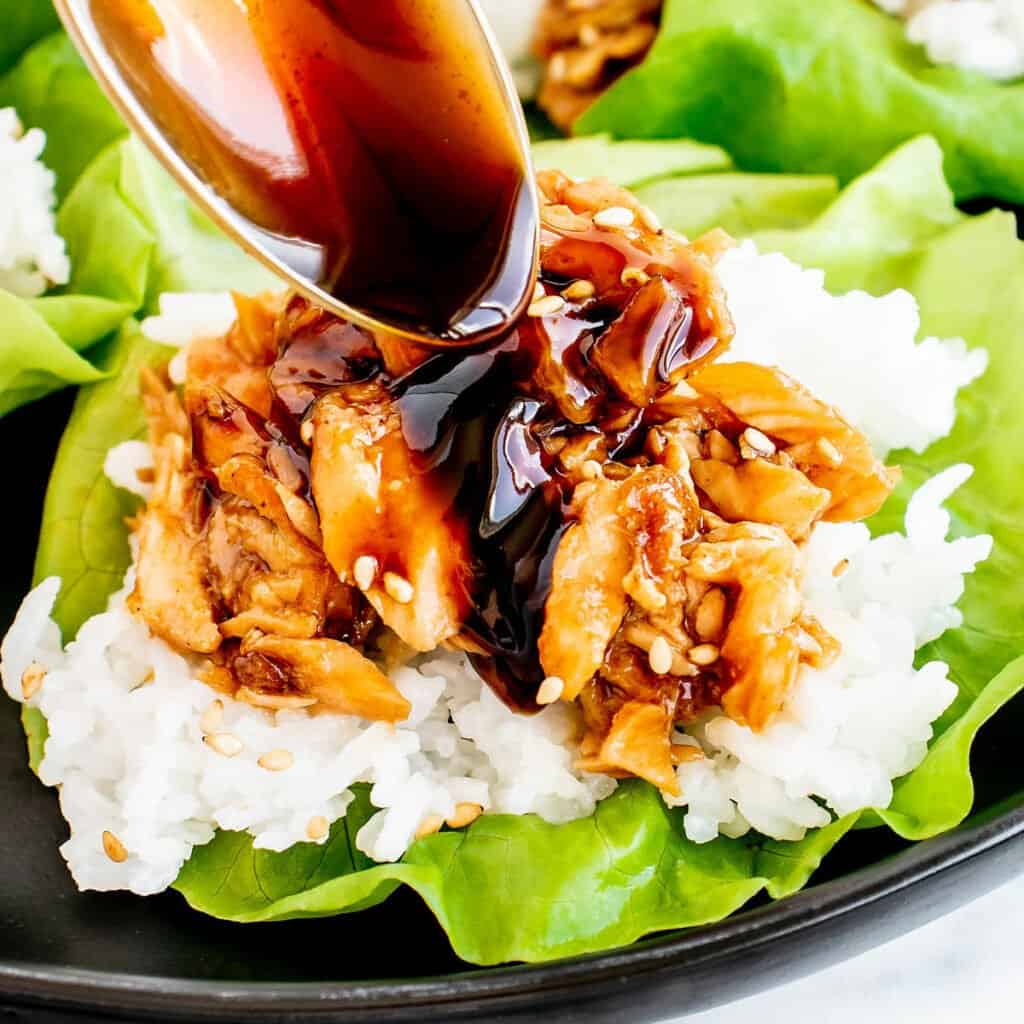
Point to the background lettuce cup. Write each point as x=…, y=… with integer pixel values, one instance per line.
x=824, y=88
x=629, y=869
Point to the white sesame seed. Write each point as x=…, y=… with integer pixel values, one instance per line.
x=832, y=454
x=114, y=848
x=840, y=567
x=557, y=67
x=317, y=827
x=614, y=217
x=547, y=306
x=306, y=433
x=563, y=218
x=274, y=701
x=753, y=444
x=589, y=34
x=703, y=654
x=224, y=743
x=550, y=690
x=364, y=571
x=429, y=825
x=591, y=469
x=710, y=616
x=660, y=656
x=649, y=219
x=32, y=679
x=398, y=587
x=276, y=760
x=465, y=814
x=538, y=291
x=210, y=719
x=579, y=291
x=631, y=276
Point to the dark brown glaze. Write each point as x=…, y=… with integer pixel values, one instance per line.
x=485, y=426
x=370, y=143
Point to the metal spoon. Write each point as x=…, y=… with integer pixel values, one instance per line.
x=197, y=149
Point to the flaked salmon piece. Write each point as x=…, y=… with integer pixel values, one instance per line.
x=634, y=351
x=170, y=593
x=665, y=310
x=768, y=399
x=222, y=427
x=586, y=47
x=377, y=510
x=761, y=646
x=588, y=597
x=627, y=542
x=855, y=497
x=759, y=491
x=248, y=478
x=834, y=455
x=336, y=674
x=238, y=362
x=639, y=744
x=662, y=516
x=267, y=577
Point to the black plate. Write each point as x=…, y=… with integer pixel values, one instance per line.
x=67, y=956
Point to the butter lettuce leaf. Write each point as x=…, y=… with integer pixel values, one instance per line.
x=516, y=888
x=828, y=87
x=80, y=539
x=130, y=233
x=628, y=163
x=34, y=360
x=25, y=22
x=52, y=89
x=40, y=339
x=628, y=870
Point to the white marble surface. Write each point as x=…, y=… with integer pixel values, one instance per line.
x=965, y=968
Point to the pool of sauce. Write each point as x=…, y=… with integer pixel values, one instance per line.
x=369, y=142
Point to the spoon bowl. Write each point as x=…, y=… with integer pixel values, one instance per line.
x=375, y=157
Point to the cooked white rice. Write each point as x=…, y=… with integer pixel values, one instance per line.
x=184, y=318
x=854, y=351
x=848, y=730
x=124, y=710
x=126, y=747
x=978, y=35
x=32, y=255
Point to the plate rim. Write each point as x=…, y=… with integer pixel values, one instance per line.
x=500, y=988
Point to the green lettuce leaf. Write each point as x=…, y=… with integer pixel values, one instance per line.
x=629, y=870
x=130, y=233
x=742, y=204
x=164, y=243
x=628, y=163
x=33, y=359
x=24, y=22
x=551, y=890
x=827, y=87
x=51, y=89
x=692, y=186
x=81, y=539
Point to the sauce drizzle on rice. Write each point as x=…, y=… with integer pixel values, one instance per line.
x=592, y=507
